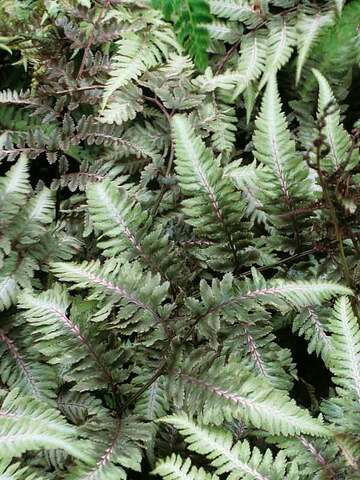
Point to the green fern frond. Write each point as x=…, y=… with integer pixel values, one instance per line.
x=136, y=54
x=77, y=346
x=125, y=104
x=239, y=10
x=191, y=18
x=8, y=292
x=29, y=376
x=14, y=188
x=14, y=471
x=142, y=294
x=312, y=324
x=116, y=447
x=283, y=168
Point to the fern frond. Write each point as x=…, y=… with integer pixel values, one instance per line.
x=14, y=187
x=250, y=66
x=336, y=136
x=127, y=227
x=30, y=377
x=29, y=424
x=312, y=324
x=213, y=206
x=8, y=292
x=76, y=346
x=281, y=42
x=283, y=168
x=226, y=31
x=116, y=446
x=14, y=471
x=191, y=18
x=344, y=360
x=142, y=294
x=309, y=26
x=175, y=468
x=239, y=10
x=136, y=53
x=125, y=104
x=228, y=391
x=236, y=459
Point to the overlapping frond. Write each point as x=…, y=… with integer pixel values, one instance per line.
x=139, y=294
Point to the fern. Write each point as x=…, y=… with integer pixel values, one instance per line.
x=169, y=228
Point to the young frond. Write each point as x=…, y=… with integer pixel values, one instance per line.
x=176, y=468
x=29, y=424
x=213, y=207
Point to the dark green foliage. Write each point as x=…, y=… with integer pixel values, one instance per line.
x=190, y=18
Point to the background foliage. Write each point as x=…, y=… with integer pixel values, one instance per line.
x=179, y=239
